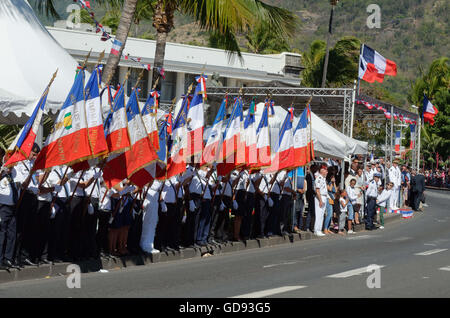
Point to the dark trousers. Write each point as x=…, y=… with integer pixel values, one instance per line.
x=102, y=233
x=166, y=228
x=178, y=222
x=192, y=219
x=215, y=210
x=204, y=221
x=135, y=230
x=299, y=205
x=56, y=243
x=263, y=214
x=89, y=228
x=76, y=227
x=223, y=219
x=247, y=217
x=416, y=200
x=26, y=220
x=311, y=216
x=285, y=211
x=7, y=232
x=41, y=231
x=371, y=206
x=273, y=220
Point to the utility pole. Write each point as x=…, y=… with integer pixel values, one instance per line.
x=330, y=24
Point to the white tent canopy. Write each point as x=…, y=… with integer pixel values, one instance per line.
x=328, y=142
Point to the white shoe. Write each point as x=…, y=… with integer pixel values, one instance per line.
x=350, y=232
x=381, y=227
x=154, y=251
x=319, y=233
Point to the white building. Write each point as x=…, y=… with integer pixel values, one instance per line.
x=183, y=62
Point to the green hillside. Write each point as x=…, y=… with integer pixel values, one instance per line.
x=413, y=33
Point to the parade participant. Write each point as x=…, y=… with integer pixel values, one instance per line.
x=418, y=187
x=225, y=203
x=368, y=174
x=90, y=212
x=150, y=216
x=106, y=206
x=310, y=195
x=26, y=221
x=359, y=187
x=8, y=199
x=352, y=196
x=302, y=187
x=395, y=177
x=276, y=186
x=332, y=188
x=287, y=197
x=246, y=189
x=127, y=213
x=204, y=219
x=320, y=186
x=372, y=193
x=262, y=197
x=60, y=215
x=169, y=195
x=384, y=195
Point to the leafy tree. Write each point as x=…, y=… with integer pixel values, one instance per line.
x=263, y=40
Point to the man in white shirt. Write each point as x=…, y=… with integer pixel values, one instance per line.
x=382, y=201
x=276, y=187
x=372, y=193
x=150, y=217
x=287, y=198
x=246, y=184
x=395, y=176
x=262, y=211
x=320, y=200
x=204, y=220
x=8, y=199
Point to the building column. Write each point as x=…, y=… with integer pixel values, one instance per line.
x=149, y=81
x=231, y=82
x=179, y=86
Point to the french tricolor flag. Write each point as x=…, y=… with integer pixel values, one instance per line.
x=141, y=154
x=213, y=145
x=233, y=146
x=263, y=139
x=303, y=145
x=149, y=116
x=429, y=111
x=285, y=155
x=387, y=114
x=195, y=119
x=116, y=46
x=373, y=66
x=22, y=145
x=115, y=125
x=251, y=154
x=69, y=141
x=397, y=141
x=176, y=162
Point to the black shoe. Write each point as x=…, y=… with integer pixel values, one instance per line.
x=28, y=262
x=44, y=261
x=8, y=264
x=203, y=244
x=260, y=237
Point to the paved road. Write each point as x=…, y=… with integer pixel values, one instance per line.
x=413, y=255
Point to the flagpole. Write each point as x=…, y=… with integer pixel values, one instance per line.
x=418, y=148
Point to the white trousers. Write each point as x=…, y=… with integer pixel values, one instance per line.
x=394, y=197
x=319, y=213
x=149, y=222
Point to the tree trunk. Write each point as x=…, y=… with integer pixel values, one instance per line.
x=126, y=19
x=163, y=23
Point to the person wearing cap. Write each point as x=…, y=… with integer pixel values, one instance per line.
x=396, y=178
x=320, y=200
x=310, y=195
x=372, y=193
x=368, y=173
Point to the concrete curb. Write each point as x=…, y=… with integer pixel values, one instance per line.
x=60, y=269
x=436, y=188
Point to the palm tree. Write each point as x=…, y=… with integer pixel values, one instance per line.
x=431, y=142
x=225, y=18
x=262, y=40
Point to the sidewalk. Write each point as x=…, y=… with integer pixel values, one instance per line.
x=60, y=269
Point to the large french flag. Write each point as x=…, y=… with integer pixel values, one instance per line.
x=149, y=113
x=94, y=114
x=116, y=130
x=213, y=145
x=233, y=153
x=195, y=119
x=69, y=141
x=263, y=139
x=397, y=141
x=176, y=162
x=373, y=66
x=163, y=135
x=303, y=145
x=130, y=164
x=251, y=155
x=429, y=111
x=285, y=155
x=22, y=145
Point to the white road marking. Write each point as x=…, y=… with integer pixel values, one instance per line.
x=447, y=268
x=430, y=252
x=400, y=239
x=352, y=272
x=360, y=237
x=269, y=292
x=280, y=264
